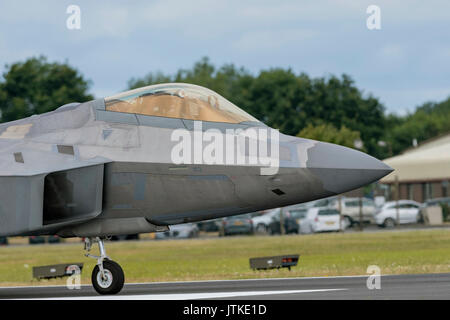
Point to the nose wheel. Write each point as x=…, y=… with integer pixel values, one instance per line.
x=107, y=276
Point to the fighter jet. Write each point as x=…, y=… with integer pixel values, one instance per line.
x=145, y=159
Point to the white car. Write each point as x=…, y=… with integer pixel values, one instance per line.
x=179, y=231
x=261, y=223
x=350, y=210
x=408, y=211
x=321, y=219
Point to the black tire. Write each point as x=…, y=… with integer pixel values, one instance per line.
x=348, y=221
x=420, y=218
x=261, y=229
x=389, y=223
x=115, y=275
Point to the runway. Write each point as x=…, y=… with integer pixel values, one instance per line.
x=402, y=287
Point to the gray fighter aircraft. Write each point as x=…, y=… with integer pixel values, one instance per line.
x=112, y=167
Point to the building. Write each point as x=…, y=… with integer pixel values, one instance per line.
x=422, y=172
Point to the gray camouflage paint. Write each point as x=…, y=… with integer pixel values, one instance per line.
x=133, y=185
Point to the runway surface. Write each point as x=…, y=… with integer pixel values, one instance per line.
x=430, y=286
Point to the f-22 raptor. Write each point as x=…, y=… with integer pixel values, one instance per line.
x=156, y=156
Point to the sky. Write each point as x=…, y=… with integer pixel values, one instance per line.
x=405, y=63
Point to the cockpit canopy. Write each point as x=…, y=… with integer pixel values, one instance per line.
x=178, y=100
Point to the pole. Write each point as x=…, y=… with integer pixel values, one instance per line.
x=397, y=195
x=282, y=229
x=360, y=215
x=340, y=212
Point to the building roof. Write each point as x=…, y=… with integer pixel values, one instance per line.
x=429, y=161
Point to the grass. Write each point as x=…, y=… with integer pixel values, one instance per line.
x=425, y=251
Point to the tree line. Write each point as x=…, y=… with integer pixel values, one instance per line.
x=328, y=108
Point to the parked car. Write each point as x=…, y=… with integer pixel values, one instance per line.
x=179, y=231
x=261, y=223
x=290, y=224
x=43, y=239
x=443, y=202
x=325, y=202
x=408, y=211
x=53, y=239
x=241, y=224
x=3, y=241
x=36, y=239
x=125, y=237
x=350, y=210
x=300, y=215
x=320, y=219
x=297, y=211
x=209, y=225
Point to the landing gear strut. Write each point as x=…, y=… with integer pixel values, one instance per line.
x=107, y=276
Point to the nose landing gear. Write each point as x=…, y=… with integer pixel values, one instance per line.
x=107, y=276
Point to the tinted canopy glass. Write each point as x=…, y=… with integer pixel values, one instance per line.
x=178, y=100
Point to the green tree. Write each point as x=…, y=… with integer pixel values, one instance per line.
x=291, y=102
x=37, y=86
x=428, y=120
x=328, y=133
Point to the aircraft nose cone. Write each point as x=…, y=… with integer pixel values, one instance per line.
x=342, y=169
